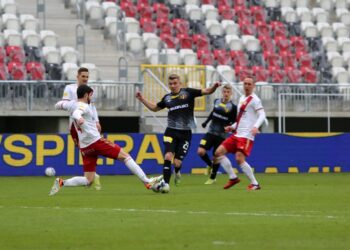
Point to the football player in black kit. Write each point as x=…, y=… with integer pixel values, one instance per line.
x=178, y=134
x=223, y=114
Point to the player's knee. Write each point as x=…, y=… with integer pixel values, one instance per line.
x=168, y=156
x=201, y=151
x=240, y=158
x=123, y=155
x=177, y=163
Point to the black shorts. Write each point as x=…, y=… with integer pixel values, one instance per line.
x=177, y=141
x=211, y=141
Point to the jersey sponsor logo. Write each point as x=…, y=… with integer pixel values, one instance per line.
x=223, y=105
x=167, y=139
x=183, y=106
x=220, y=116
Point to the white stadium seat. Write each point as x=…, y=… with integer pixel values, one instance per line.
x=194, y=12
x=134, y=41
x=152, y=56
x=13, y=38
x=210, y=12
x=230, y=27
x=110, y=9
x=132, y=25
x=69, y=54
x=172, y=57
x=227, y=72
x=335, y=59
x=49, y=38
x=320, y=15
x=330, y=44
x=325, y=29
x=70, y=71
x=31, y=38
x=214, y=27
x=234, y=42
x=29, y=22
x=151, y=40
x=9, y=6
x=188, y=57
x=11, y=21
x=52, y=55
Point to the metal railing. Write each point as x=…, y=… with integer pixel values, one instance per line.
x=42, y=95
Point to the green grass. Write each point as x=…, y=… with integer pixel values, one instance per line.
x=302, y=211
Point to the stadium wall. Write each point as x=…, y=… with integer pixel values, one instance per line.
x=30, y=154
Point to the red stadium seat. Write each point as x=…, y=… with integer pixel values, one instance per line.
x=35, y=70
x=310, y=76
x=226, y=12
x=16, y=70
x=201, y=41
x=247, y=28
x=208, y=2
x=221, y=56
x=165, y=27
x=15, y=53
x=298, y=43
x=294, y=76
x=145, y=11
x=2, y=56
x=305, y=61
x=181, y=26
x=129, y=9
x=239, y=58
x=162, y=11
x=170, y=41
x=242, y=14
x=149, y=26
x=288, y=60
x=263, y=29
x=258, y=13
x=223, y=3
x=185, y=41
x=3, y=72
x=239, y=3
x=278, y=76
x=273, y=60
x=157, y=6
x=268, y=45
x=283, y=45
x=243, y=73
x=206, y=59
x=261, y=74
x=299, y=54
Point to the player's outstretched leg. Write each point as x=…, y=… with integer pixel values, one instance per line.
x=153, y=181
x=97, y=182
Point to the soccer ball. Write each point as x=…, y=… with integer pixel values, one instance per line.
x=161, y=187
x=50, y=171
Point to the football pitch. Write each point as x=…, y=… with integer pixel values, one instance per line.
x=292, y=211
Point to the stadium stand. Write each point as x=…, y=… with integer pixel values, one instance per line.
x=31, y=53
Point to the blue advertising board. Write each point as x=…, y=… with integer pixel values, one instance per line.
x=30, y=154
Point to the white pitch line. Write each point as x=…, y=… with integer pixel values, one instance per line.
x=136, y=210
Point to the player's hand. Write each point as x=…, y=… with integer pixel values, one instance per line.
x=98, y=126
x=228, y=129
x=217, y=84
x=139, y=95
x=204, y=125
x=255, y=131
x=81, y=121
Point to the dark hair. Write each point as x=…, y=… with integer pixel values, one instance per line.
x=82, y=90
x=82, y=69
x=251, y=77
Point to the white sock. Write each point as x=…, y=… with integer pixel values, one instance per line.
x=96, y=175
x=248, y=172
x=226, y=164
x=76, y=181
x=136, y=170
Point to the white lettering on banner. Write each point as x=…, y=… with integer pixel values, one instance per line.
x=179, y=107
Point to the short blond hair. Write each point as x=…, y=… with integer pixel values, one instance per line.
x=227, y=86
x=173, y=77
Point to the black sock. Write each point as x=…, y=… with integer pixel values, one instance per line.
x=177, y=169
x=167, y=171
x=214, y=171
x=206, y=159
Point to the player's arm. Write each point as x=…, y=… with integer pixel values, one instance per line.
x=261, y=118
x=95, y=115
x=211, y=89
x=78, y=115
x=66, y=105
x=209, y=118
x=150, y=105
